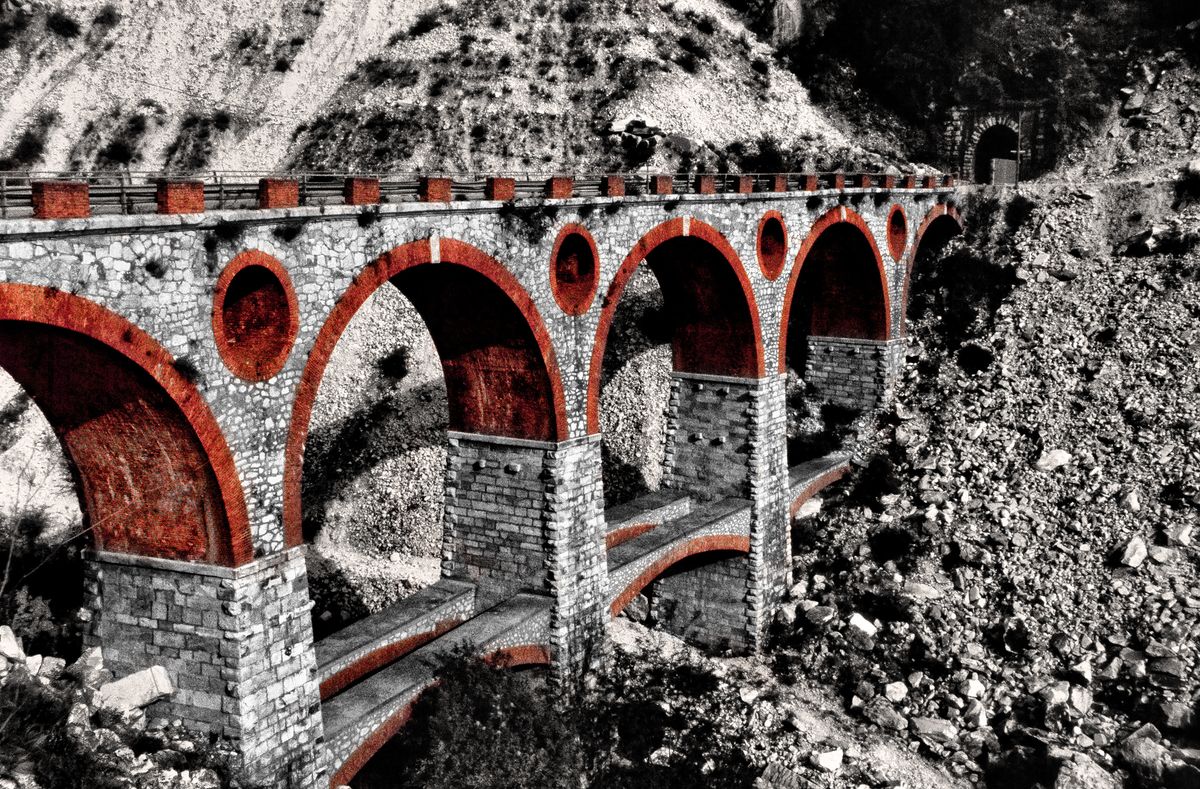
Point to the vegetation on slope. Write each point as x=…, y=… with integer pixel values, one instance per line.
x=915, y=58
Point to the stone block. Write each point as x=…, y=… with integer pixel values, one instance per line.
x=136, y=690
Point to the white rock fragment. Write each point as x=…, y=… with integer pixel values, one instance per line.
x=863, y=625
x=10, y=647
x=828, y=761
x=1055, y=458
x=136, y=690
x=1133, y=552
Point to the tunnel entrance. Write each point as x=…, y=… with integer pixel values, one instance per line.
x=997, y=156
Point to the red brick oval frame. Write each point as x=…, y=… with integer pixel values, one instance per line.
x=566, y=305
x=897, y=243
x=52, y=307
x=694, y=547
x=505, y=657
x=771, y=273
x=661, y=234
x=937, y=212
x=835, y=216
x=388, y=265
x=264, y=369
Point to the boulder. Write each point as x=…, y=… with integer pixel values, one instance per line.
x=828, y=760
x=1132, y=553
x=863, y=625
x=1081, y=772
x=10, y=645
x=881, y=712
x=136, y=690
x=934, y=729
x=638, y=609
x=1144, y=753
x=1052, y=459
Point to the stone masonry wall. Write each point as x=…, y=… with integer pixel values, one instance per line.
x=728, y=604
x=707, y=446
x=770, y=561
x=237, y=644
x=578, y=559
x=705, y=601
x=853, y=373
x=495, y=535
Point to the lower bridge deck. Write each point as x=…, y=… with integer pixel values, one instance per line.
x=372, y=672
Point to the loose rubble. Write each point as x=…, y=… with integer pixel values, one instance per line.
x=1009, y=581
x=84, y=727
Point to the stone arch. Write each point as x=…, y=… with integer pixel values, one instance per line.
x=707, y=292
x=516, y=656
x=154, y=474
x=1004, y=131
x=840, y=262
x=502, y=376
x=942, y=223
x=719, y=543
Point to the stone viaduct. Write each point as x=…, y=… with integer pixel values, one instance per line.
x=177, y=352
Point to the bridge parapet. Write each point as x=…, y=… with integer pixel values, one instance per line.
x=77, y=195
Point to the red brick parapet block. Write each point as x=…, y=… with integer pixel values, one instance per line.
x=61, y=200
x=560, y=187
x=435, y=190
x=502, y=189
x=612, y=186
x=706, y=185
x=931, y=182
x=810, y=182
x=888, y=182
x=910, y=182
x=839, y=181
x=361, y=191
x=778, y=183
x=661, y=184
x=278, y=193
x=180, y=197
x=744, y=184
x=863, y=181
x=949, y=180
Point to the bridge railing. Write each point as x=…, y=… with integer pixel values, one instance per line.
x=69, y=194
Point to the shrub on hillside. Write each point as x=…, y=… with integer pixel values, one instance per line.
x=60, y=24
x=516, y=723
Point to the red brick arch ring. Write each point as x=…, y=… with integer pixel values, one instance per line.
x=518, y=656
x=750, y=356
x=154, y=473
x=677, y=553
x=536, y=408
x=945, y=221
x=836, y=216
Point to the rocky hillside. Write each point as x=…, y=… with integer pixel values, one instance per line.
x=1019, y=539
x=467, y=85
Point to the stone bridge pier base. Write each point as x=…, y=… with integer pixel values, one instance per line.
x=528, y=516
x=727, y=437
x=237, y=644
x=859, y=374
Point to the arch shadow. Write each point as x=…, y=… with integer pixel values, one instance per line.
x=502, y=375
x=940, y=225
x=707, y=294
x=839, y=262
